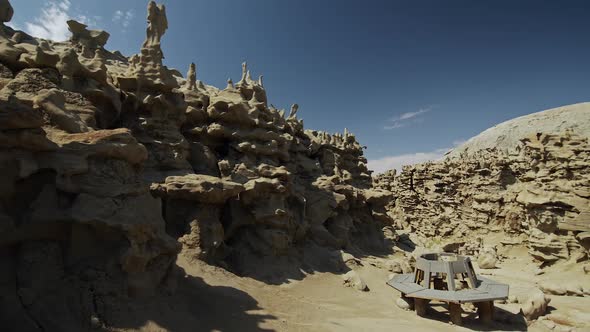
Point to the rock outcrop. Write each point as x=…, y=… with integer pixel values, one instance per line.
x=297, y=184
x=506, y=136
x=110, y=166
x=536, y=193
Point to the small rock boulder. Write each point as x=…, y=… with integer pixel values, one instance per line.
x=405, y=303
x=353, y=280
x=393, y=266
x=487, y=258
x=406, y=267
x=535, y=306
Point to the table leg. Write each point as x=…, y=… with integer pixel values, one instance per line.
x=455, y=311
x=408, y=300
x=485, y=310
x=420, y=306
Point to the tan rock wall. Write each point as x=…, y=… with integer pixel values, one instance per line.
x=539, y=189
x=109, y=166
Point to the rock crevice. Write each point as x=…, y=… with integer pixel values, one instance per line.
x=110, y=166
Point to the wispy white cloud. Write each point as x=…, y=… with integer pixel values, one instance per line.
x=397, y=162
x=117, y=15
x=51, y=22
x=91, y=21
x=124, y=18
x=405, y=119
x=409, y=115
x=395, y=125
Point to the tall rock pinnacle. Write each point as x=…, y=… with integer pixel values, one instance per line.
x=157, y=24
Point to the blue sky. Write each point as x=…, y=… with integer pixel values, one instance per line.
x=409, y=78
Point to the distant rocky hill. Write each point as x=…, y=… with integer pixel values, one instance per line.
x=525, y=181
x=110, y=166
x=507, y=135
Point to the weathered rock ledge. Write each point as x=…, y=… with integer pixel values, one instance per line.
x=110, y=166
x=536, y=194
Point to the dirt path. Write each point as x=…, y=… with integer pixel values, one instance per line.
x=210, y=298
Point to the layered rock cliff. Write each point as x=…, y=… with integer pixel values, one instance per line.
x=534, y=190
x=110, y=166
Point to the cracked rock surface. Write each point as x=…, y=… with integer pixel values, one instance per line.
x=110, y=166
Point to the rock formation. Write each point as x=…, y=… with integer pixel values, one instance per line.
x=506, y=136
x=353, y=280
x=191, y=77
x=111, y=165
x=536, y=193
x=6, y=11
x=535, y=305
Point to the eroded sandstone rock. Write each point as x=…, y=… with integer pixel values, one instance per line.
x=353, y=280
x=197, y=187
x=110, y=166
x=6, y=11
x=569, y=288
x=487, y=259
x=89, y=39
x=535, y=305
x=536, y=191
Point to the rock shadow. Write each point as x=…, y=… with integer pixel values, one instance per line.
x=405, y=243
x=193, y=306
x=504, y=320
x=297, y=264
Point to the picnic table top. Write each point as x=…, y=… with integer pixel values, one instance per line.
x=486, y=290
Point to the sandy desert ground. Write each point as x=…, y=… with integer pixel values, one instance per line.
x=284, y=300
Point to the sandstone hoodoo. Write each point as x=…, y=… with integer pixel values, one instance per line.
x=113, y=165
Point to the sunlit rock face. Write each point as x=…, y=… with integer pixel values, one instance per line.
x=533, y=191
x=110, y=166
